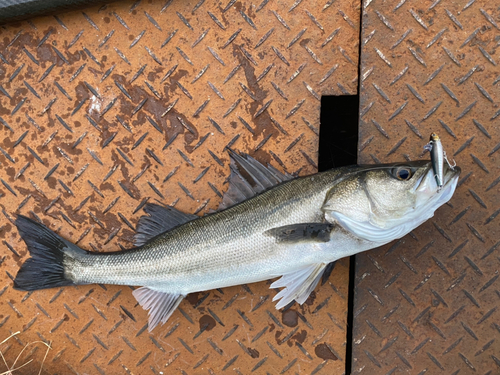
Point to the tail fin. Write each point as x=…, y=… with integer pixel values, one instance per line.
x=45, y=268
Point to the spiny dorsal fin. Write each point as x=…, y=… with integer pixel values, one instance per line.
x=160, y=305
x=248, y=178
x=160, y=220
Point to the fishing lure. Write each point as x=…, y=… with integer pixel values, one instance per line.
x=438, y=156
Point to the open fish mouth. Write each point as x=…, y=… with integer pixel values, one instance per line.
x=449, y=188
x=427, y=189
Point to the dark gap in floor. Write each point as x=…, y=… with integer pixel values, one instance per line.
x=338, y=140
x=338, y=146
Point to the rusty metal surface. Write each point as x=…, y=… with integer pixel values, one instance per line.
x=428, y=303
x=106, y=109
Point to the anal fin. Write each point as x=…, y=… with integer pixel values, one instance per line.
x=160, y=305
x=298, y=284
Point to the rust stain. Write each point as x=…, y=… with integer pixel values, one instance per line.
x=323, y=352
x=207, y=322
x=290, y=318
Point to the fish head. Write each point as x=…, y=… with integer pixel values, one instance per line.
x=381, y=203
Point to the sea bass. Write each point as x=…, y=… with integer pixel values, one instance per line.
x=269, y=225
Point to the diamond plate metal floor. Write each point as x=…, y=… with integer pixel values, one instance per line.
x=104, y=110
x=429, y=302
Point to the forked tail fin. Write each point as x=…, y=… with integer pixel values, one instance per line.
x=49, y=252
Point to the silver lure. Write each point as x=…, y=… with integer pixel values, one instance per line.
x=438, y=156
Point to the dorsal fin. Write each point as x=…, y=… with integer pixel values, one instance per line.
x=248, y=178
x=160, y=219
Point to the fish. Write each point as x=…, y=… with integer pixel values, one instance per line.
x=269, y=225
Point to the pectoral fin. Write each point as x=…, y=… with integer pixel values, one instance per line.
x=160, y=305
x=298, y=285
x=304, y=232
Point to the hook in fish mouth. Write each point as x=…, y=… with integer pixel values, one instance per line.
x=430, y=195
x=450, y=172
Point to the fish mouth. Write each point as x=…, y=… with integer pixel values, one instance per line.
x=449, y=187
x=453, y=174
x=427, y=180
x=428, y=191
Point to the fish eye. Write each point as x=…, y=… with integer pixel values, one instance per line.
x=403, y=173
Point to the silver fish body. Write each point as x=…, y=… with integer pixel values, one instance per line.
x=227, y=248
x=292, y=230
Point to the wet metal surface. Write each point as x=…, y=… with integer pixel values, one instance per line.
x=104, y=110
x=428, y=303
